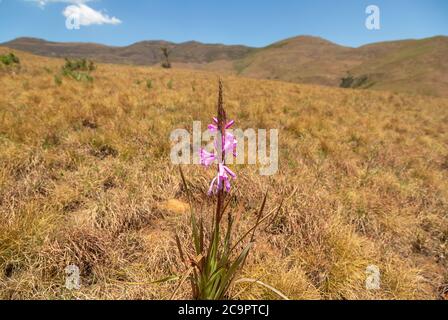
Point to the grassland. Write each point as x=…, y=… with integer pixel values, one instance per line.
x=85, y=179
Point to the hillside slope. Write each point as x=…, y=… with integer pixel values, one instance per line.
x=300, y=59
x=86, y=179
x=417, y=66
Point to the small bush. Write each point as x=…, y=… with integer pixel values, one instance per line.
x=78, y=69
x=80, y=76
x=79, y=65
x=347, y=81
x=170, y=84
x=149, y=84
x=9, y=59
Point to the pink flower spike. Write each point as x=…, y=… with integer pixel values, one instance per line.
x=229, y=145
x=207, y=158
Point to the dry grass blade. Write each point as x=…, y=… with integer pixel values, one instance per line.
x=179, y=247
x=276, y=291
x=167, y=279
x=275, y=216
x=187, y=188
x=182, y=281
x=260, y=214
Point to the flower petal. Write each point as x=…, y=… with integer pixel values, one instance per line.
x=207, y=158
x=230, y=172
x=210, y=190
x=228, y=187
x=212, y=128
x=230, y=123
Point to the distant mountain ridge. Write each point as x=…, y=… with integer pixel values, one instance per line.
x=418, y=66
x=143, y=52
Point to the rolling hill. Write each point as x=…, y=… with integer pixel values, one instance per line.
x=140, y=53
x=416, y=66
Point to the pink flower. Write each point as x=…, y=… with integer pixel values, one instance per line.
x=214, y=127
x=221, y=180
x=230, y=144
x=225, y=175
x=207, y=158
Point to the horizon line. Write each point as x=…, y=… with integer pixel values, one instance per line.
x=218, y=43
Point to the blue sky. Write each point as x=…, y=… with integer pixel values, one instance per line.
x=250, y=22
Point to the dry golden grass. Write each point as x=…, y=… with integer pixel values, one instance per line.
x=85, y=179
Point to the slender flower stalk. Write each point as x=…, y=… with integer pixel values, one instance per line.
x=214, y=266
x=221, y=142
x=225, y=142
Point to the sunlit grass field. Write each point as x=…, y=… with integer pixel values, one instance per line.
x=86, y=179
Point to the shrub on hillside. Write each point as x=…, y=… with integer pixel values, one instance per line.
x=78, y=69
x=349, y=81
x=79, y=65
x=9, y=59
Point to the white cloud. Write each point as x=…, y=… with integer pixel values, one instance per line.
x=87, y=16
x=77, y=9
